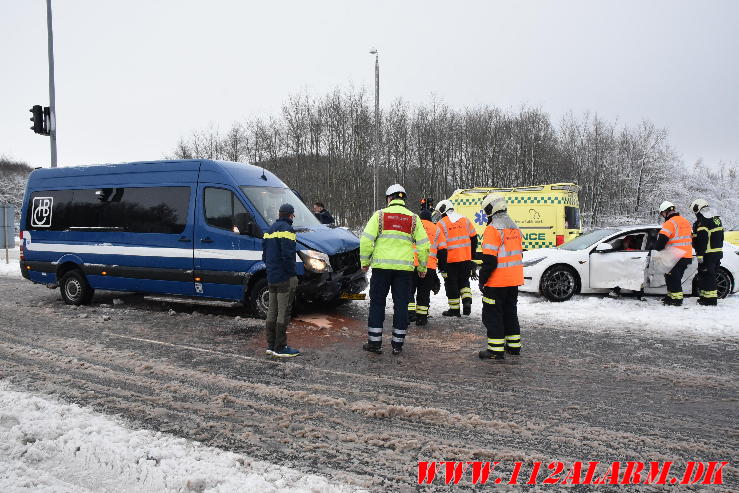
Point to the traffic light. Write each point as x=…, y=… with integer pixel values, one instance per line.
x=37, y=119
x=41, y=119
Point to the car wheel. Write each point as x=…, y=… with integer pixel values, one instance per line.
x=723, y=283
x=259, y=298
x=75, y=288
x=559, y=283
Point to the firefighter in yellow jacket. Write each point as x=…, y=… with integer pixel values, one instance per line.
x=387, y=245
x=500, y=275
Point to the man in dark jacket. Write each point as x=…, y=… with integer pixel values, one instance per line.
x=708, y=242
x=282, y=281
x=322, y=214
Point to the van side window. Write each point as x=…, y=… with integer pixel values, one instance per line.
x=160, y=210
x=224, y=210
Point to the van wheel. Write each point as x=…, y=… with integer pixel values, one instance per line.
x=75, y=288
x=559, y=283
x=259, y=298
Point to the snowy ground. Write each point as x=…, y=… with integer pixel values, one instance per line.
x=49, y=446
x=11, y=269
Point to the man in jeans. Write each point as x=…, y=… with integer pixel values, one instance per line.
x=282, y=281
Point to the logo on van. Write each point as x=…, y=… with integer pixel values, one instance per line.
x=41, y=212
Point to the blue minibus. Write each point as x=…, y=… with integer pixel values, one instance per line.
x=190, y=228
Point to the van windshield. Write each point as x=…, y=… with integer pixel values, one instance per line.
x=587, y=240
x=267, y=202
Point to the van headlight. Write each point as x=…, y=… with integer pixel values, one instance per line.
x=315, y=261
x=533, y=261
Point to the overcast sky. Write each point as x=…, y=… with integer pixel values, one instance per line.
x=134, y=76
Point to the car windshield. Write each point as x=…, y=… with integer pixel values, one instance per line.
x=588, y=239
x=267, y=201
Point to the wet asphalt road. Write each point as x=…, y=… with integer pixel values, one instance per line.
x=200, y=373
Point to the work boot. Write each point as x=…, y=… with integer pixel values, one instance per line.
x=467, y=308
x=451, y=313
x=488, y=354
x=397, y=350
x=412, y=317
x=707, y=301
x=672, y=302
x=372, y=348
x=515, y=351
x=422, y=320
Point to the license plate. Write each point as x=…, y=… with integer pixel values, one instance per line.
x=353, y=296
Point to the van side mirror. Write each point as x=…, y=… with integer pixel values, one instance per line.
x=252, y=230
x=247, y=225
x=604, y=247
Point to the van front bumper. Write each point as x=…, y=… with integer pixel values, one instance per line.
x=328, y=286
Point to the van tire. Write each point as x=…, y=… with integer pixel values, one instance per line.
x=258, y=299
x=75, y=289
x=559, y=283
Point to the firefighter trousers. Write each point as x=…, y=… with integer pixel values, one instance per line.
x=674, y=279
x=457, y=284
x=707, y=275
x=421, y=292
x=500, y=317
x=381, y=282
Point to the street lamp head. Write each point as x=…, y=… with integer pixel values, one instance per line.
x=373, y=51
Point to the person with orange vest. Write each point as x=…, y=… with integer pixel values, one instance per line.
x=676, y=234
x=500, y=275
x=422, y=287
x=460, y=244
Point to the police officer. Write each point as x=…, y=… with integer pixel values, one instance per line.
x=500, y=275
x=282, y=281
x=676, y=234
x=460, y=244
x=387, y=245
x=421, y=291
x=708, y=241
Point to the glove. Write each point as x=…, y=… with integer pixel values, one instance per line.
x=435, y=284
x=473, y=270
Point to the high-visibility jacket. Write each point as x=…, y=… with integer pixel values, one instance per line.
x=391, y=239
x=435, y=236
x=679, y=233
x=459, y=238
x=502, y=240
x=708, y=234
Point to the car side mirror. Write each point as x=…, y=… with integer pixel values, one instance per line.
x=604, y=247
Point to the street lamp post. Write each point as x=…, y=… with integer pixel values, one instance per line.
x=377, y=126
x=52, y=98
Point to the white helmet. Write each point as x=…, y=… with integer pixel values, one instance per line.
x=493, y=203
x=697, y=205
x=393, y=189
x=444, y=206
x=666, y=206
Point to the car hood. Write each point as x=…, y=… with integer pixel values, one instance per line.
x=327, y=239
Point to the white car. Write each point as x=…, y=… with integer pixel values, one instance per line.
x=618, y=257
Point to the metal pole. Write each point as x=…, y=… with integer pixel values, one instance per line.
x=52, y=98
x=377, y=124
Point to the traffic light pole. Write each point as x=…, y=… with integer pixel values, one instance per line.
x=52, y=98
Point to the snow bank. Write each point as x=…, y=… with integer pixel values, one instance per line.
x=13, y=269
x=49, y=446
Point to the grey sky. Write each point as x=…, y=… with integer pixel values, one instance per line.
x=133, y=76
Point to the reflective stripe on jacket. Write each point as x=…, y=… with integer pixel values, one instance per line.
x=278, y=251
x=678, y=232
x=458, y=236
x=502, y=239
x=391, y=239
